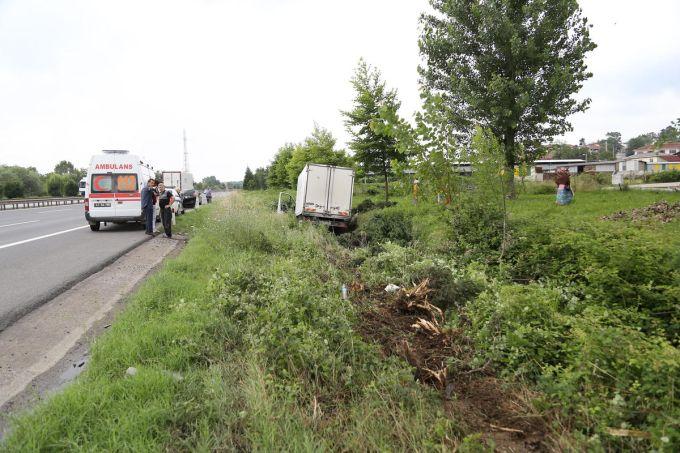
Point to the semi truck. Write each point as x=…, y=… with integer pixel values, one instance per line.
x=324, y=194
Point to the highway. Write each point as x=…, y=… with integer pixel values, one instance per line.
x=45, y=250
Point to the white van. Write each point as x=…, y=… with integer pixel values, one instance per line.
x=112, y=190
x=81, y=187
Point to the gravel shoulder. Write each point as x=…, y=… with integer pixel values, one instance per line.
x=48, y=348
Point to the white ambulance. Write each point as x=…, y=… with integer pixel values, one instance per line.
x=112, y=190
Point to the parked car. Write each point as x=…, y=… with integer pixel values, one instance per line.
x=189, y=198
x=178, y=205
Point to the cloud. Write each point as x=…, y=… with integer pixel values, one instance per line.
x=245, y=77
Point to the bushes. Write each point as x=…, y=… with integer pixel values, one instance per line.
x=598, y=370
x=615, y=269
x=663, y=176
x=390, y=224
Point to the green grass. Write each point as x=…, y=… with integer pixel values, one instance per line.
x=242, y=342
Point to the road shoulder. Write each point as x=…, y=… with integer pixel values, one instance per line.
x=39, y=348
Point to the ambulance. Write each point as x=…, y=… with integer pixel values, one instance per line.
x=112, y=189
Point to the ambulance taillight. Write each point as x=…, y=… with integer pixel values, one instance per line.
x=87, y=205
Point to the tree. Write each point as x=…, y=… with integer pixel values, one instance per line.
x=11, y=186
x=212, y=182
x=71, y=187
x=65, y=168
x=373, y=149
x=278, y=174
x=511, y=66
x=319, y=148
x=670, y=133
x=640, y=141
x=565, y=151
x=249, y=180
x=261, y=178
x=55, y=184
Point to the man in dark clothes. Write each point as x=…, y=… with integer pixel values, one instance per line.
x=165, y=201
x=148, y=205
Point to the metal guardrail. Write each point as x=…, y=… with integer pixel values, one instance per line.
x=38, y=202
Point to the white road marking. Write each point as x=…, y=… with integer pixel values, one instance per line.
x=42, y=237
x=18, y=223
x=53, y=210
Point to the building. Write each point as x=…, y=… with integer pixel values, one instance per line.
x=545, y=169
x=640, y=163
x=666, y=149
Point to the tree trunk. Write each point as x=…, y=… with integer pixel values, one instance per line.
x=387, y=192
x=510, y=160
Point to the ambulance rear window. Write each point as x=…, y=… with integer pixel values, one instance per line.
x=114, y=183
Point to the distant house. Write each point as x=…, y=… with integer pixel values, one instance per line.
x=666, y=149
x=545, y=169
x=640, y=163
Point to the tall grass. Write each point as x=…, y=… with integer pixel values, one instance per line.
x=242, y=342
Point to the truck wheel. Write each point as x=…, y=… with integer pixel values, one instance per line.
x=95, y=226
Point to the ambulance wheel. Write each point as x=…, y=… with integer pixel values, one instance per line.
x=95, y=226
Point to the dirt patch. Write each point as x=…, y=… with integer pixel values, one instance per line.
x=406, y=324
x=661, y=211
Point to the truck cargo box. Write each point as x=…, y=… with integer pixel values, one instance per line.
x=324, y=192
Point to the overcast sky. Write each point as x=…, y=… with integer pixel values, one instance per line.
x=244, y=77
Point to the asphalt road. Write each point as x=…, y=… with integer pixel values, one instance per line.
x=46, y=250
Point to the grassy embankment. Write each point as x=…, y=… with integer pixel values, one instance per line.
x=581, y=311
x=250, y=319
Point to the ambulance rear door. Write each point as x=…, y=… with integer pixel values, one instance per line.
x=102, y=200
x=128, y=201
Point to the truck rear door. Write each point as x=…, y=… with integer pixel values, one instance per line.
x=341, y=183
x=316, y=199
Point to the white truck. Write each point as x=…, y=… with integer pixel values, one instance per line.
x=324, y=194
x=178, y=180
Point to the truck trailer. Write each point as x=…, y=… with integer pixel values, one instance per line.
x=324, y=194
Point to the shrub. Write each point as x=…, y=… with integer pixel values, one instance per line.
x=55, y=185
x=663, y=176
x=613, y=269
x=599, y=371
x=365, y=206
x=391, y=224
x=13, y=188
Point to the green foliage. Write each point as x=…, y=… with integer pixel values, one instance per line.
x=316, y=149
x=671, y=133
x=65, y=168
x=278, y=173
x=71, y=187
x=391, y=224
x=18, y=182
x=640, y=141
x=211, y=182
x=593, y=366
x=249, y=180
x=12, y=187
x=374, y=148
x=513, y=66
x=55, y=184
x=250, y=316
x=663, y=176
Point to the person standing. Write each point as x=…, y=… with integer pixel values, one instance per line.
x=165, y=201
x=208, y=195
x=147, y=194
x=564, y=193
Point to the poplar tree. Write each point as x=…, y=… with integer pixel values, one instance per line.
x=512, y=66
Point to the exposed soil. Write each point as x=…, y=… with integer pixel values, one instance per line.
x=404, y=323
x=661, y=211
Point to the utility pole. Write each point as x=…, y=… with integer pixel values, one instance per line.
x=186, y=153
